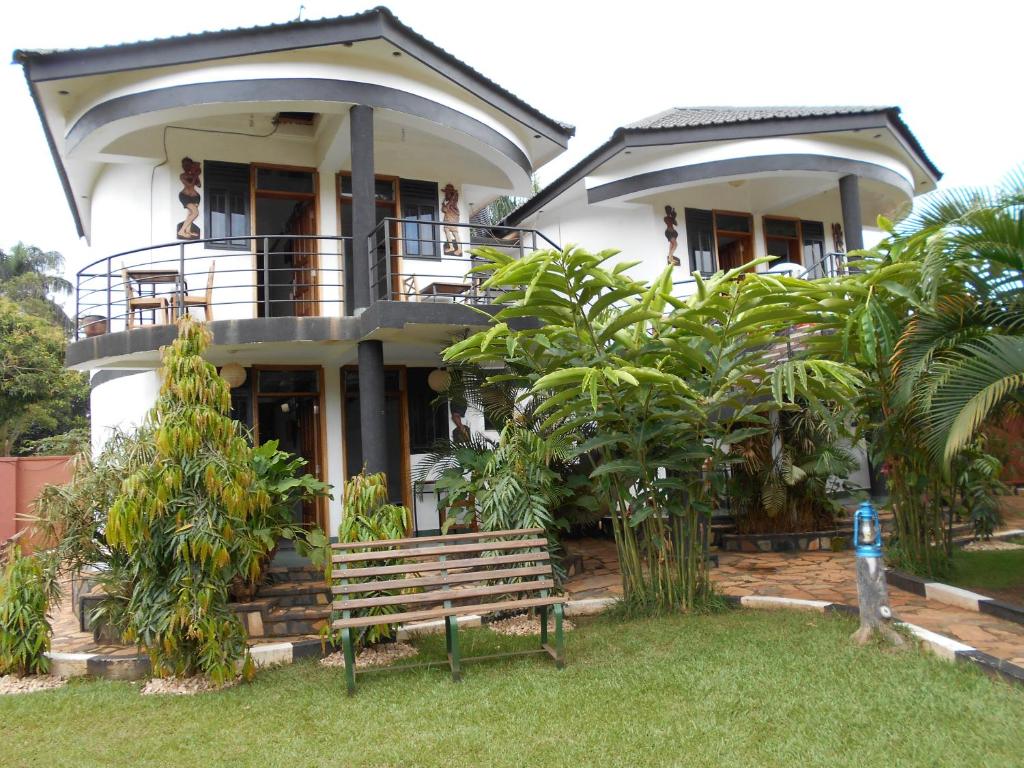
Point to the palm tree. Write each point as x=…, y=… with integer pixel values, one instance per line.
x=31, y=277
x=961, y=355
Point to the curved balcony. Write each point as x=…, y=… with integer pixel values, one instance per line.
x=281, y=288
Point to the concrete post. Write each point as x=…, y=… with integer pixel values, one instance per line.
x=363, y=208
x=849, y=200
x=372, y=405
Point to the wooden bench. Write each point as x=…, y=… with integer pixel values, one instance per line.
x=444, y=577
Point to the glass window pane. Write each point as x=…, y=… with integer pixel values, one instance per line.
x=780, y=227
x=281, y=180
x=289, y=381
x=346, y=185
x=384, y=190
x=732, y=222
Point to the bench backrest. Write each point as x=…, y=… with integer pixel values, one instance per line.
x=436, y=576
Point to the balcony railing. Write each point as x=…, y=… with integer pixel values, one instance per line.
x=244, y=277
x=430, y=261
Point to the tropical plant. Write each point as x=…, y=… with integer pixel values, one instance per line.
x=26, y=586
x=783, y=482
x=178, y=517
x=962, y=353
x=280, y=475
x=30, y=277
x=368, y=516
x=38, y=396
x=935, y=322
x=663, y=384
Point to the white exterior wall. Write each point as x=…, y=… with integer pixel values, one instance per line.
x=121, y=403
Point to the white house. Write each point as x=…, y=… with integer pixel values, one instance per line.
x=308, y=188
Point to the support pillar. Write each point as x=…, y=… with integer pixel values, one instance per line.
x=849, y=200
x=363, y=208
x=372, y=405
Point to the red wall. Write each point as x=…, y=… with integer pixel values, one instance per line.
x=21, y=479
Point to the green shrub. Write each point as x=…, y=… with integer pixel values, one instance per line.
x=367, y=516
x=25, y=631
x=181, y=521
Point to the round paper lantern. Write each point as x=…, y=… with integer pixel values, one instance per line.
x=439, y=379
x=233, y=374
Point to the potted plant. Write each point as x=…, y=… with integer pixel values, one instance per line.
x=93, y=325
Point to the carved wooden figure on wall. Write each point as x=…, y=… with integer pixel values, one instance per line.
x=838, y=245
x=450, y=214
x=189, y=198
x=672, y=234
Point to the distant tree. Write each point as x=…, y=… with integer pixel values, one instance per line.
x=31, y=277
x=38, y=396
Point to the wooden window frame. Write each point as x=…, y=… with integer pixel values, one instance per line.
x=749, y=234
x=798, y=239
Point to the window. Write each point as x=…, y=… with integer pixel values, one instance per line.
x=813, y=241
x=700, y=240
x=428, y=419
x=782, y=239
x=227, y=204
x=419, y=204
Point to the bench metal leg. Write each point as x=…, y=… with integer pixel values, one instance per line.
x=559, y=637
x=452, y=632
x=543, y=625
x=350, y=660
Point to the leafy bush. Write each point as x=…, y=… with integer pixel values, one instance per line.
x=25, y=590
x=367, y=516
x=665, y=385
x=278, y=473
x=781, y=483
x=179, y=517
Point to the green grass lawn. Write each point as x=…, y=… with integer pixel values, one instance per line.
x=996, y=573
x=742, y=688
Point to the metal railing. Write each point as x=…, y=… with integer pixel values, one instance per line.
x=430, y=261
x=217, y=278
x=829, y=265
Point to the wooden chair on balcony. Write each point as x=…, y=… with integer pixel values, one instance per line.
x=204, y=300
x=140, y=304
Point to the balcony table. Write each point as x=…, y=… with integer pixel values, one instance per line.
x=442, y=291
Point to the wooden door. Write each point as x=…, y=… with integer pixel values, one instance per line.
x=304, y=259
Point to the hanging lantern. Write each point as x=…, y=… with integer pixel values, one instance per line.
x=439, y=380
x=233, y=374
x=867, y=531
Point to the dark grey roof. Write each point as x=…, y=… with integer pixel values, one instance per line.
x=687, y=117
x=682, y=124
x=377, y=22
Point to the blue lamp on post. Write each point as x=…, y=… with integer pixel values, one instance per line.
x=867, y=531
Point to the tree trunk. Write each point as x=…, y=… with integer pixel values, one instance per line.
x=873, y=598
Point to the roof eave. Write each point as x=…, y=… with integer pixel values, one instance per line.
x=51, y=142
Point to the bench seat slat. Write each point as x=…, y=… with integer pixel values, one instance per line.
x=450, y=565
x=455, y=549
x=454, y=537
x=440, y=613
x=441, y=580
x=441, y=595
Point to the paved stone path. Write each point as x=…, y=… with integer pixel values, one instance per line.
x=809, y=576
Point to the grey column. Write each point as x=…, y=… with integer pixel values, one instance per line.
x=363, y=211
x=849, y=199
x=372, y=419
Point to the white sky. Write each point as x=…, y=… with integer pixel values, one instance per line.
x=954, y=67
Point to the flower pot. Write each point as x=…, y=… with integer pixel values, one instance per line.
x=93, y=325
